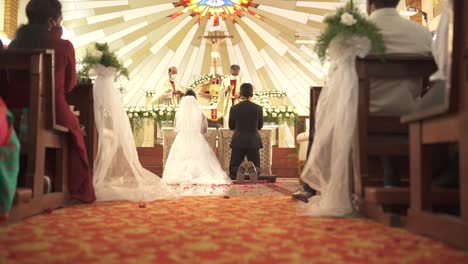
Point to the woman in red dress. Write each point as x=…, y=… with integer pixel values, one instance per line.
x=44, y=31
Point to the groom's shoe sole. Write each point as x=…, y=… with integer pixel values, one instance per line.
x=253, y=175
x=240, y=177
x=240, y=173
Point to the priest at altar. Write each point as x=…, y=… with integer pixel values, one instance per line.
x=171, y=91
x=229, y=93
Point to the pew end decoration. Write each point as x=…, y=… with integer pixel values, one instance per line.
x=347, y=23
x=99, y=53
x=348, y=35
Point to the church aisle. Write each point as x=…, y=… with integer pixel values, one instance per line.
x=253, y=224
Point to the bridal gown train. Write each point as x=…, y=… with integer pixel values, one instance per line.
x=118, y=174
x=191, y=160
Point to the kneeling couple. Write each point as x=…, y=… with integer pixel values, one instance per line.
x=192, y=161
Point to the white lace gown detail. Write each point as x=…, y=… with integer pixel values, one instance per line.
x=118, y=173
x=328, y=168
x=191, y=160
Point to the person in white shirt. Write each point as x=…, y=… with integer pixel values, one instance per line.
x=396, y=98
x=399, y=97
x=172, y=91
x=391, y=98
x=229, y=93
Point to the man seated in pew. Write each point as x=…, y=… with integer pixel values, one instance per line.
x=398, y=97
x=44, y=31
x=392, y=97
x=9, y=162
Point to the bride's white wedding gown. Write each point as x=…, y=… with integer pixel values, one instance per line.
x=118, y=174
x=191, y=160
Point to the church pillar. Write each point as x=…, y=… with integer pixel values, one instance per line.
x=10, y=18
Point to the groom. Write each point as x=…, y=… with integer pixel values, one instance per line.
x=245, y=118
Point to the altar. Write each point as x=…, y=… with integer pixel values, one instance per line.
x=149, y=121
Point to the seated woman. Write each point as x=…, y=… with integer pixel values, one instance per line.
x=9, y=162
x=44, y=31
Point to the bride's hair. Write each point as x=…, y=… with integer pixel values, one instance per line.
x=190, y=92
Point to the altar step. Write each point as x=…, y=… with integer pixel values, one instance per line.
x=151, y=159
x=284, y=161
x=158, y=170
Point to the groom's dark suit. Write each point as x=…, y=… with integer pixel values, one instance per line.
x=245, y=118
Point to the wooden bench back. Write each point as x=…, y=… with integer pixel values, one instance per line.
x=37, y=65
x=382, y=135
x=314, y=97
x=390, y=67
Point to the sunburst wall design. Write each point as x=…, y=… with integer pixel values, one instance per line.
x=218, y=9
x=272, y=40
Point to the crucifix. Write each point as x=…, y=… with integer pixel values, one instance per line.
x=215, y=41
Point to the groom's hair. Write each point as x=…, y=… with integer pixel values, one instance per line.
x=190, y=92
x=384, y=3
x=246, y=90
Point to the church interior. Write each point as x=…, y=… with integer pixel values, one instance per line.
x=406, y=172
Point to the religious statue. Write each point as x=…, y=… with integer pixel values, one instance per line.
x=215, y=41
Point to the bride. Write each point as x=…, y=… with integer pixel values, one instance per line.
x=191, y=159
x=118, y=174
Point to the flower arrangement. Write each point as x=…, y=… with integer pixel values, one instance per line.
x=165, y=113
x=159, y=113
x=203, y=79
x=100, y=54
x=270, y=94
x=272, y=114
x=150, y=93
x=280, y=114
x=348, y=22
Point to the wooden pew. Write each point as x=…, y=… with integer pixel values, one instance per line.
x=43, y=133
x=314, y=96
x=447, y=123
x=300, y=137
x=378, y=136
x=82, y=98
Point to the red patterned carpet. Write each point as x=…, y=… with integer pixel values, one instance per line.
x=255, y=229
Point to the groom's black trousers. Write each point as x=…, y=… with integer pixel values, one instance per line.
x=237, y=157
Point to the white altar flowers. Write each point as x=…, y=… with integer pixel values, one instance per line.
x=348, y=19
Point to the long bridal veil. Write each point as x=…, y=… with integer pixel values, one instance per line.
x=191, y=160
x=118, y=174
x=328, y=168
